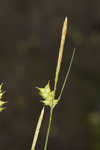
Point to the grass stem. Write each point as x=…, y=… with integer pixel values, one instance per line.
x=67, y=75
x=48, y=130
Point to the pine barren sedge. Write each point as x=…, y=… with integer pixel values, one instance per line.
x=48, y=95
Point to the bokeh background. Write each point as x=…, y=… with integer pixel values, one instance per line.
x=30, y=33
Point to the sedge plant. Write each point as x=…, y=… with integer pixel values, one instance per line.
x=48, y=95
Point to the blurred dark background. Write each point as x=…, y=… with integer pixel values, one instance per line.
x=30, y=33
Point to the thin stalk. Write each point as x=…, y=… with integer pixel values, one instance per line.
x=72, y=58
x=48, y=130
x=37, y=129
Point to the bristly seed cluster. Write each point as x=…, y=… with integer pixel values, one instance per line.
x=1, y=95
x=48, y=95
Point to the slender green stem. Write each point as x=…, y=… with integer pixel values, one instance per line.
x=49, y=127
x=67, y=74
